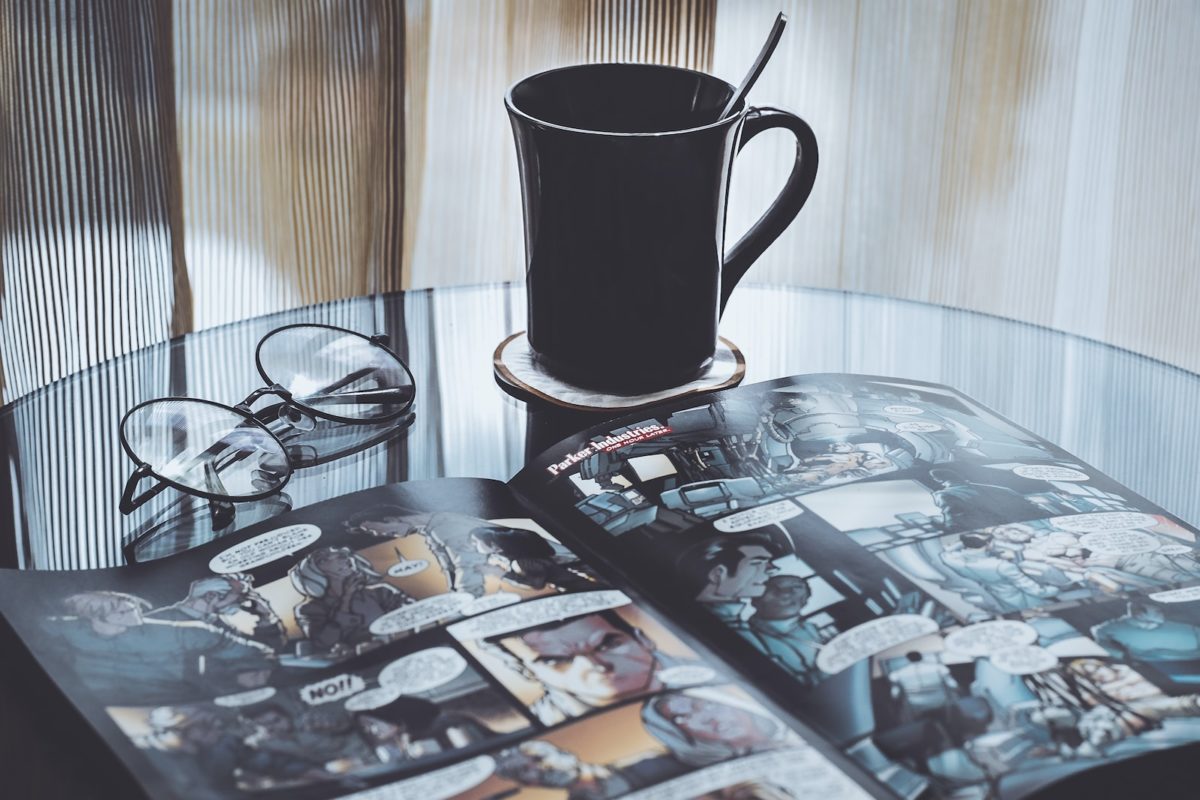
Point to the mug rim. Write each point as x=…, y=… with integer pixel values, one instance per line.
x=512, y=106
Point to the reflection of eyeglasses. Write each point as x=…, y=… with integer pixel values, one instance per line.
x=225, y=453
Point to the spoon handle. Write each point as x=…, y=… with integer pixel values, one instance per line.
x=756, y=69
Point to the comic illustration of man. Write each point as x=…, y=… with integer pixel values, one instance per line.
x=127, y=658
x=542, y=764
x=321, y=735
x=209, y=745
x=216, y=598
x=448, y=537
x=778, y=628
x=967, y=505
x=1144, y=633
x=1127, y=705
x=1003, y=586
x=700, y=730
x=409, y=728
x=726, y=571
x=583, y=663
x=344, y=595
x=523, y=558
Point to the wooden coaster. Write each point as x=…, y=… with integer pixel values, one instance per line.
x=516, y=368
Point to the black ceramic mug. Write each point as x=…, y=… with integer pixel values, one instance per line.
x=624, y=179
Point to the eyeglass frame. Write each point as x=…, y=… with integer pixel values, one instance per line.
x=143, y=470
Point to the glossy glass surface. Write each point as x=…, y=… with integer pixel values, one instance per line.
x=1132, y=417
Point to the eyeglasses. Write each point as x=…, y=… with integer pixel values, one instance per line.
x=227, y=454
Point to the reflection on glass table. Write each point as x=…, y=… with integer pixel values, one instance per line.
x=1130, y=416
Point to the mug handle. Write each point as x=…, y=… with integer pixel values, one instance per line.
x=785, y=207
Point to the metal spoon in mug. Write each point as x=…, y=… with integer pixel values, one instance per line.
x=763, y=55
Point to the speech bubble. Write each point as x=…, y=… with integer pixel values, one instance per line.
x=1120, y=543
x=757, y=517
x=406, y=567
x=686, y=675
x=245, y=698
x=490, y=602
x=1175, y=549
x=918, y=427
x=903, y=410
x=1185, y=595
x=330, y=689
x=424, y=670
x=795, y=766
x=1023, y=660
x=422, y=612
x=872, y=637
x=983, y=638
x=437, y=785
x=373, y=698
x=532, y=613
x=264, y=548
x=1049, y=472
x=1099, y=521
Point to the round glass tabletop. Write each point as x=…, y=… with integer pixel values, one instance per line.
x=1130, y=416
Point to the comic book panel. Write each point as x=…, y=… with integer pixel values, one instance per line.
x=705, y=462
x=227, y=631
x=1001, y=708
x=1158, y=634
x=421, y=707
x=1042, y=563
x=700, y=742
x=567, y=656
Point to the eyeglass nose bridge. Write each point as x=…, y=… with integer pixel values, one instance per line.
x=274, y=389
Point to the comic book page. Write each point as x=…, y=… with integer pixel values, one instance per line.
x=422, y=640
x=965, y=609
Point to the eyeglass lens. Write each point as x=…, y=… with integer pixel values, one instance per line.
x=208, y=448
x=335, y=373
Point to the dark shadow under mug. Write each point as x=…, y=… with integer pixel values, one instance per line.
x=625, y=174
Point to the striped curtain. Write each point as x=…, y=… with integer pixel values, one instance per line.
x=175, y=164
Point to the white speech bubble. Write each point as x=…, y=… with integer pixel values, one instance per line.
x=264, y=548
x=687, y=675
x=1023, y=660
x=1175, y=549
x=424, y=670
x=1104, y=521
x=1049, y=472
x=409, y=566
x=330, y=689
x=903, y=410
x=918, y=427
x=988, y=637
x=373, y=698
x=437, y=785
x=422, y=612
x=757, y=517
x=1185, y=595
x=870, y=638
x=245, y=698
x=536, y=612
x=490, y=602
x=1120, y=543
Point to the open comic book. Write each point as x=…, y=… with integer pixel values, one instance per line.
x=825, y=586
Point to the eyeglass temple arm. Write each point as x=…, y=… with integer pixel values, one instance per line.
x=130, y=501
x=221, y=511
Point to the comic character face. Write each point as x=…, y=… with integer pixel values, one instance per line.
x=386, y=526
x=588, y=658
x=749, y=578
x=1017, y=534
x=540, y=763
x=124, y=613
x=783, y=597
x=336, y=562
x=709, y=721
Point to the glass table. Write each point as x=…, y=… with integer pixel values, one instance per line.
x=1132, y=417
